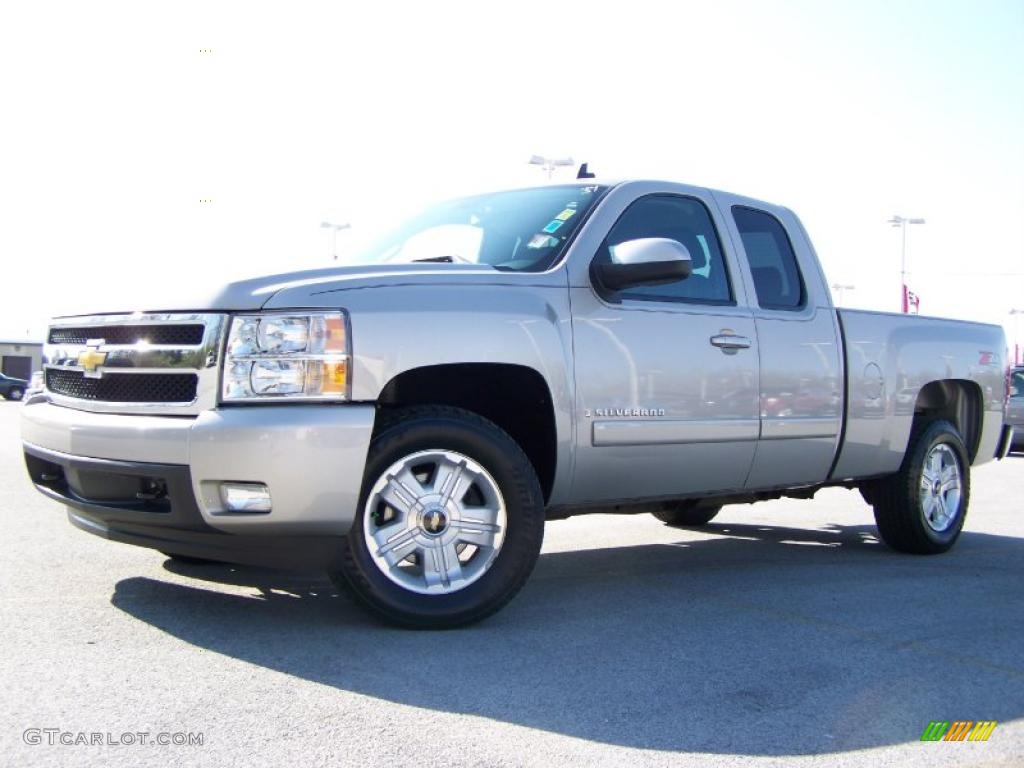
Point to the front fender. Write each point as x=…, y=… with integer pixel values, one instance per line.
x=523, y=321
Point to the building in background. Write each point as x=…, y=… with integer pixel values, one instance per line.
x=20, y=358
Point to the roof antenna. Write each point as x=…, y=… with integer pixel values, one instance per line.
x=584, y=173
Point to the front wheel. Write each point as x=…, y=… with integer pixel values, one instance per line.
x=921, y=509
x=450, y=523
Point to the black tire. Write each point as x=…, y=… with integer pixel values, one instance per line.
x=410, y=430
x=687, y=514
x=189, y=560
x=899, y=500
x=15, y=393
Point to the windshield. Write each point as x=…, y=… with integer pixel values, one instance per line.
x=524, y=230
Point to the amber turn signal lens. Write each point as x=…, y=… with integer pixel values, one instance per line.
x=334, y=379
x=334, y=334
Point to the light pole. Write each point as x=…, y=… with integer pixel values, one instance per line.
x=1018, y=357
x=839, y=290
x=902, y=222
x=335, y=228
x=550, y=163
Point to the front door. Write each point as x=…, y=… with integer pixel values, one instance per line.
x=666, y=375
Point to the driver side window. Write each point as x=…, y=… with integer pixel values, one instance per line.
x=686, y=220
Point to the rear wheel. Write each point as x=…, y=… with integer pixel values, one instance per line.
x=921, y=509
x=685, y=514
x=450, y=522
x=15, y=393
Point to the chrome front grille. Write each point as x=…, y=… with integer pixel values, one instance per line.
x=152, y=363
x=185, y=334
x=125, y=387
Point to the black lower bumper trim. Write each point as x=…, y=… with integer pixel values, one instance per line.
x=287, y=552
x=118, y=491
x=153, y=505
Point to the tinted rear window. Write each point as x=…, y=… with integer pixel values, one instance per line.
x=772, y=261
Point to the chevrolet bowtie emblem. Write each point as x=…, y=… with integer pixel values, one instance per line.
x=90, y=361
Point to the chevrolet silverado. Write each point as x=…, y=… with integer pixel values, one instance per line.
x=409, y=421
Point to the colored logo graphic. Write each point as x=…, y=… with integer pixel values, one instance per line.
x=91, y=359
x=958, y=730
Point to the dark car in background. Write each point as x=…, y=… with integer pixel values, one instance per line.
x=11, y=388
x=1015, y=408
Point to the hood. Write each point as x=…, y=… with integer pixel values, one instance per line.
x=290, y=288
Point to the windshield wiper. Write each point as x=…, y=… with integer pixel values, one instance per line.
x=434, y=259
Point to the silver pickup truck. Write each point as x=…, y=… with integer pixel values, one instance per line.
x=410, y=422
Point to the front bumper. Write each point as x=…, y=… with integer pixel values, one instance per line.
x=155, y=480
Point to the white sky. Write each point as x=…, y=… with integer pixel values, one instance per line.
x=114, y=126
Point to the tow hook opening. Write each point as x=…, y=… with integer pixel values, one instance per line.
x=152, y=489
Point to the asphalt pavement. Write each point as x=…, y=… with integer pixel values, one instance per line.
x=780, y=634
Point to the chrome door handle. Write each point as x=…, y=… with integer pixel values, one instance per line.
x=730, y=341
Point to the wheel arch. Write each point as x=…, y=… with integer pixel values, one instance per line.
x=958, y=401
x=515, y=397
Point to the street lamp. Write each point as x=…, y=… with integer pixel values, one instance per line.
x=335, y=228
x=550, y=163
x=1018, y=353
x=902, y=222
x=839, y=290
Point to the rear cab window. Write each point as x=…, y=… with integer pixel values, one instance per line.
x=773, y=266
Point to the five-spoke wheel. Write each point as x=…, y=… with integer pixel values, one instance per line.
x=940, y=487
x=921, y=508
x=434, y=521
x=450, y=523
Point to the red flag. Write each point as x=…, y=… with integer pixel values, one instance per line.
x=911, y=301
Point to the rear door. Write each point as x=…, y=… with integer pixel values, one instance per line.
x=801, y=371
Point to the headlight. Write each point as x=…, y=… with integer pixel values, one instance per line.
x=287, y=356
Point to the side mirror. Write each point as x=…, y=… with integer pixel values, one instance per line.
x=644, y=261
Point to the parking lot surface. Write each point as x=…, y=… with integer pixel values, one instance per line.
x=781, y=633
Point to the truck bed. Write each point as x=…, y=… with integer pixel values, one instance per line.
x=890, y=358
